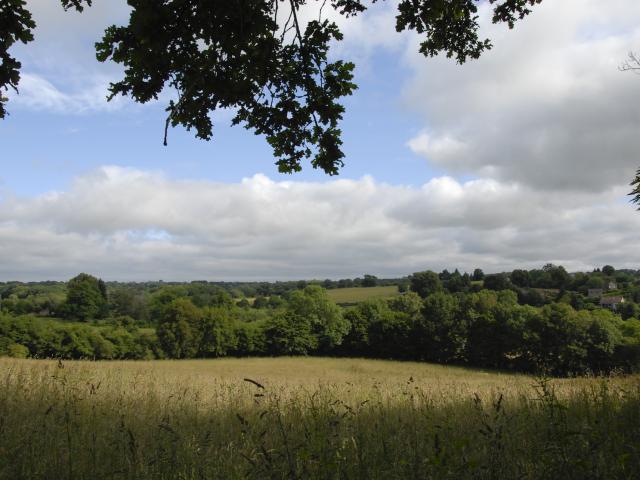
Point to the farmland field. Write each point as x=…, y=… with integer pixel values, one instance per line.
x=310, y=418
x=360, y=294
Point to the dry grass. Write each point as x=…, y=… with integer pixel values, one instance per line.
x=310, y=418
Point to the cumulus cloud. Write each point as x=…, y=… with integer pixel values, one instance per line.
x=125, y=223
x=547, y=107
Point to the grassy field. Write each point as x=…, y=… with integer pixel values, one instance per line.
x=299, y=418
x=359, y=294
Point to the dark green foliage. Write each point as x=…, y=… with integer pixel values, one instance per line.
x=222, y=55
x=425, y=283
x=257, y=59
x=219, y=336
x=442, y=331
x=15, y=26
x=243, y=303
x=497, y=281
x=86, y=298
x=179, y=331
x=452, y=27
x=77, y=4
x=389, y=332
x=635, y=193
x=520, y=278
x=127, y=302
x=326, y=322
x=629, y=310
x=369, y=281
x=527, y=329
x=558, y=276
x=496, y=326
x=530, y=296
x=478, y=275
x=250, y=339
x=44, y=338
x=454, y=282
x=43, y=298
x=288, y=333
x=260, y=302
x=360, y=318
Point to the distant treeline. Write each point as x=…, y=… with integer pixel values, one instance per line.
x=445, y=318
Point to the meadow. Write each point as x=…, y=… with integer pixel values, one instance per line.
x=353, y=295
x=301, y=417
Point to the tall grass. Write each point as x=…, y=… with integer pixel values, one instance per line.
x=324, y=419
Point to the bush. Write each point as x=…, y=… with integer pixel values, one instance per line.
x=17, y=351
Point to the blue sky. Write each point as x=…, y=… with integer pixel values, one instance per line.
x=510, y=161
x=73, y=139
x=377, y=127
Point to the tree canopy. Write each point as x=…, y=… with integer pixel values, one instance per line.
x=257, y=58
x=86, y=298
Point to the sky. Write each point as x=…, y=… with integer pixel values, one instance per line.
x=518, y=159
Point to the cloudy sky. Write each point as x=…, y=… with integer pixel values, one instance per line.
x=521, y=158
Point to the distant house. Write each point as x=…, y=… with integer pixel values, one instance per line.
x=612, y=285
x=611, y=302
x=595, y=292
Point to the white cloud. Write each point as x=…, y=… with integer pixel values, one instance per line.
x=37, y=93
x=60, y=73
x=130, y=224
x=443, y=148
x=547, y=107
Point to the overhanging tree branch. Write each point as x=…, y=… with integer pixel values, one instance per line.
x=632, y=64
x=236, y=55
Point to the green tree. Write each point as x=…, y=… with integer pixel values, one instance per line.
x=425, y=283
x=179, y=329
x=287, y=333
x=17, y=351
x=496, y=325
x=478, y=275
x=218, y=334
x=369, y=281
x=629, y=310
x=260, y=302
x=497, y=281
x=324, y=316
x=441, y=332
x=250, y=338
x=380, y=330
x=555, y=340
x=356, y=341
x=128, y=302
x=558, y=275
x=602, y=338
x=520, y=278
x=595, y=281
x=256, y=58
x=162, y=298
x=608, y=270
x=86, y=298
